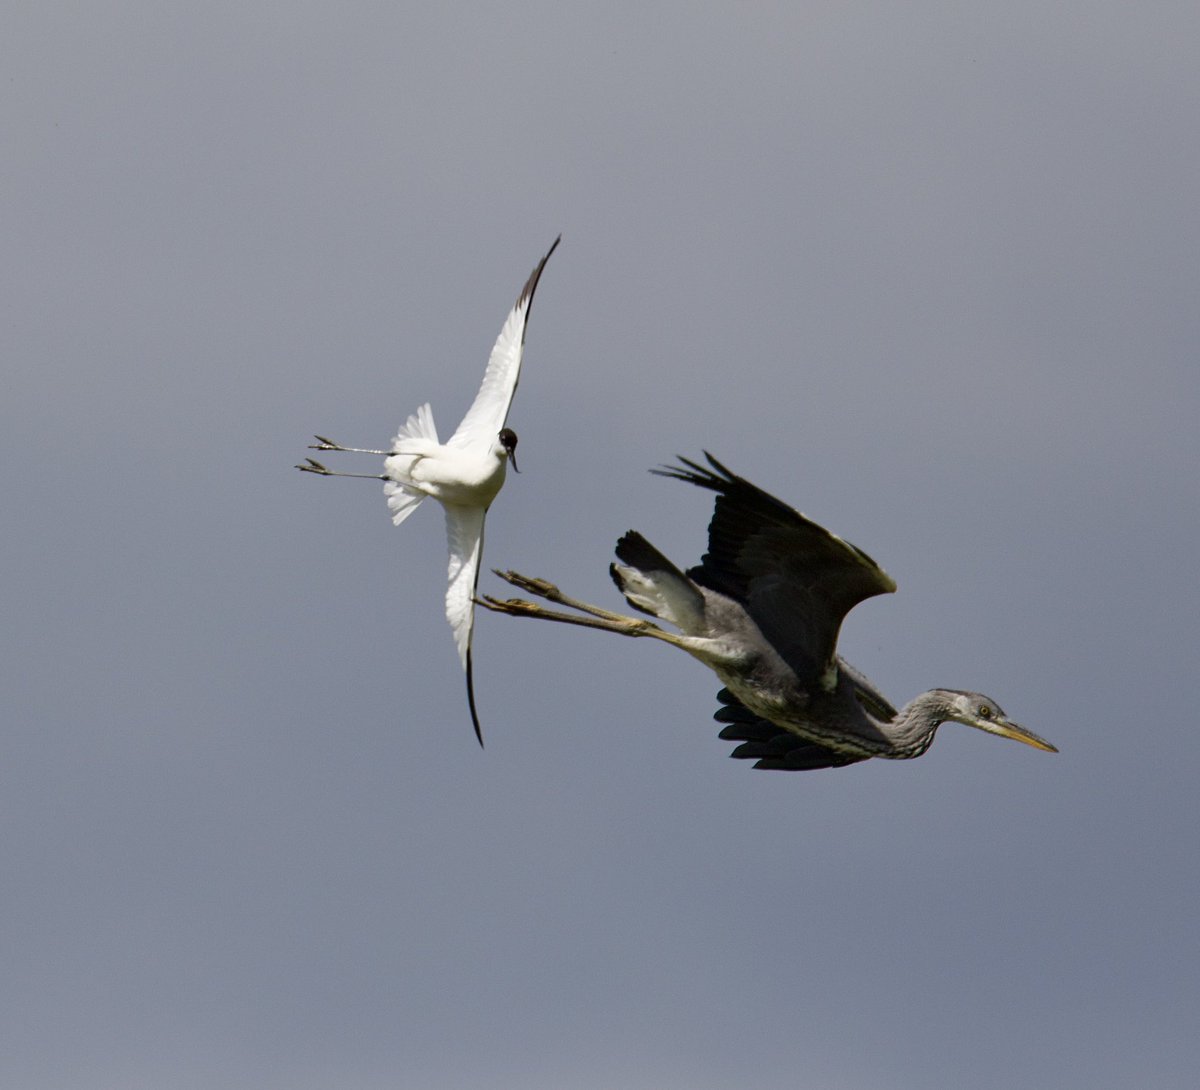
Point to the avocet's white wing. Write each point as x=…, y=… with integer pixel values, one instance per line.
x=464, y=535
x=489, y=410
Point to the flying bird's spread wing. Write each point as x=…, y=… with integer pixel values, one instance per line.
x=489, y=410
x=464, y=535
x=795, y=579
x=872, y=700
x=769, y=746
x=772, y=747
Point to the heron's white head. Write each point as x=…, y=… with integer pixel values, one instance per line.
x=977, y=710
x=508, y=446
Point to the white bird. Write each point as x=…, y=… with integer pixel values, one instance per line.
x=464, y=474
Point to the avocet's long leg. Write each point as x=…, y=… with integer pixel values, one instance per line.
x=314, y=466
x=594, y=617
x=328, y=444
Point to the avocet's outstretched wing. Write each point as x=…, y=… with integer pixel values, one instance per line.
x=464, y=535
x=489, y=410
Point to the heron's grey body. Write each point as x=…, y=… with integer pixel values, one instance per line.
x=762, y=610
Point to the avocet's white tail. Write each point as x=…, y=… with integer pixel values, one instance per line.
x=401, y=501
x=416, y=432
x=417, y=437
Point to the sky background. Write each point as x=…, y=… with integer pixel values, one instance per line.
x=926, y=271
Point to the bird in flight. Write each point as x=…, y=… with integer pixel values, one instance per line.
x=464, y=474
x=762, y=610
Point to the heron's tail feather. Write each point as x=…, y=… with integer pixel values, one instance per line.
x=652, y=584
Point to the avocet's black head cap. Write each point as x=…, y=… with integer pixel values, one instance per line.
x=508, y=440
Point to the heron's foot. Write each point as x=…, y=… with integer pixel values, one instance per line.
x=514, y=607
x=543, y=588
x=519, y=607
x=594, y=616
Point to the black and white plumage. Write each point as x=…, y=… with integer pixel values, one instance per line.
x=763, y=610
x=464, y=474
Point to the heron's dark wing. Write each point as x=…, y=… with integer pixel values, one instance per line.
x=769, y=746
x=795, y=578
x=876, y=704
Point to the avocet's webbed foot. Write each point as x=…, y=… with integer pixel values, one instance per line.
x=313, y=466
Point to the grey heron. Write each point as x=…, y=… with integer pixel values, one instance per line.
x=763, y=610
x=464, y=474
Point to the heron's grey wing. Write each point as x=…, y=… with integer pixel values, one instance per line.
x=795, y=578
x=769, y=746
x=876, y=704
x=489, y=410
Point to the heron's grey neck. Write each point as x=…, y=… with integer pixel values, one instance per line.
x=920, y=717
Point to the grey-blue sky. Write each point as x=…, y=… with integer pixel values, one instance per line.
x=927, y=273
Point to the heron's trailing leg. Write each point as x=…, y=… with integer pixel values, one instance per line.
x=328, y=444
x=543, y=588
x=313, y=466
x=595, y=617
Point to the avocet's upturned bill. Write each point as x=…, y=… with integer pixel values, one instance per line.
x=464, y=474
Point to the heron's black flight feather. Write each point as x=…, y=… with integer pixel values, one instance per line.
x=767, y=745
x=795, y=578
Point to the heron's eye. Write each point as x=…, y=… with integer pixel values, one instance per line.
x=984, y=712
